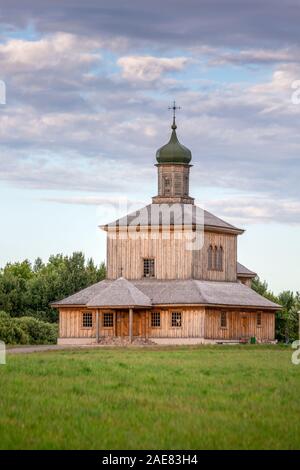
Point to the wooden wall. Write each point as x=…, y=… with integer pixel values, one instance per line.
x=70, y=325
x=192, y=323
x=239, y=324
x=200, y=258
x=173, y=260
x=197, y=322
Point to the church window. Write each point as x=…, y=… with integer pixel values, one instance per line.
x=155, y=319
x=177, y=186
x=166, y=185
x=186, y=185
x=215, y=258
x=210, y=258
x=87, y=320
x=223, y=320
x=258, y=319
x=219, y=266
x=176, y=320
x=148, y=267
x=108, y=320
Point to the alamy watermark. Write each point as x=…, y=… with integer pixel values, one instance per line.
x=2, y=92
x=2, y=353
x=296, y=354
x=295, y=98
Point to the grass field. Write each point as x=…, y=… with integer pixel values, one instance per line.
x=222, y=397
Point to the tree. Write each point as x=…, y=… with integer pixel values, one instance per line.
x=28, y=291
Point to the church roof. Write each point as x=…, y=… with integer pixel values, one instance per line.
x=243, y=271
x=156, y=214
x=171, y=292
x=120, y=293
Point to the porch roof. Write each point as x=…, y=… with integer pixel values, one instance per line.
x=152, y=292
x=120, y=293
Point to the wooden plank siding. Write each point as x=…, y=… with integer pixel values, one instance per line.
x=197, y=322
x=192, y=323
x=173, y=260
x=239, y=324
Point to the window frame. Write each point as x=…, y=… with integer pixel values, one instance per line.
x=220, y=259
x=151, y=259
x=103, y=320
x=84, y=317
x=259, y=323
x=210, y=258
x=223, y=315
x=176, y=312
x=153, y=319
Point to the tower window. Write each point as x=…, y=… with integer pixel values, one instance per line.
x=223, y=320
x=178, y=185
x=220, y=259
x=215, y=258
x=87, y=320
x=210, y=258
x=166, y=185
x=149, y=267
x=176, y=320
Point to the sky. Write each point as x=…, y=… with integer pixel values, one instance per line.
x=84, y=94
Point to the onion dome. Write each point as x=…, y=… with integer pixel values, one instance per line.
x=174, y=152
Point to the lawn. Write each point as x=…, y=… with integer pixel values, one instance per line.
x=209, y=397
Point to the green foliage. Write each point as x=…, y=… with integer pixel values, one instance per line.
x=287, y=320
x=27, y=290
x=11, y=332
x=27, y=330
x=39, y=332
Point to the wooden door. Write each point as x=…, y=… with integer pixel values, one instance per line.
x=245, y=326
x=122, y=323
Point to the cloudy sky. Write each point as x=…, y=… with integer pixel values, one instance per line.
x=88, y=85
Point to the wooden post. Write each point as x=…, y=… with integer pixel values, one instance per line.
x=130, y=324
x=115, y=322
x=97, y=326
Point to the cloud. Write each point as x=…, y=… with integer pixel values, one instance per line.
x=149, y=68
x=250, y=23
x=246, y=210
x=59, y=50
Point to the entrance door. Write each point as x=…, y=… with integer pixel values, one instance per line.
x=122, y=326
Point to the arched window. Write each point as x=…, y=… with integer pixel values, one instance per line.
x=220, y=259
x=215, y=258
x=210, y=258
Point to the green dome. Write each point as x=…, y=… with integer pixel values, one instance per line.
x=174, y=151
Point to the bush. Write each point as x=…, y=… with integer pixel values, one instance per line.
x=12, y=333
x=26, y=330
x=4, y=314
x=39, y=332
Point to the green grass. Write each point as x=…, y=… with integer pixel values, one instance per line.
x=214, y=397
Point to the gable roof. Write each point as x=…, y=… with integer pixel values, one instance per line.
x=242, y=271
x=172, y=214
x=151, y=292
x=120, y=293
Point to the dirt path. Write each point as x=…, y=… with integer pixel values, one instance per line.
x=50, y=347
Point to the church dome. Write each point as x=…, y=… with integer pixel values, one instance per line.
x=174, y=152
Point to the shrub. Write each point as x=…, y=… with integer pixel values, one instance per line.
x=39, y=332
x=12, y=333
x=4, y=314
x=26, y=330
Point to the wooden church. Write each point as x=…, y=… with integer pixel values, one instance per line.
x=172, y=274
